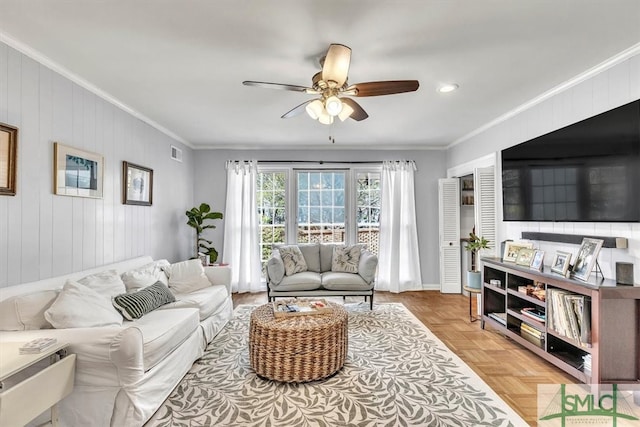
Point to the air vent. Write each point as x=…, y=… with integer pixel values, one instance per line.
x=176, y=153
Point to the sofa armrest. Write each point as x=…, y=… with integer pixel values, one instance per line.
x=368, y=266
x=219, y=275
x=275, y=268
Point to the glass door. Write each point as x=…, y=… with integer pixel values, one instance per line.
x=321, y=206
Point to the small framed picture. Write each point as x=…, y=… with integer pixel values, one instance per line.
x=511, y=250
x=537, y=259
x=560, y=262
x=587, y=257
x=8, y=157
x=524, y=256
x=137, y=184
x=77, y=172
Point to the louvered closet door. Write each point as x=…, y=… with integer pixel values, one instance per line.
x=485, y=207
x=449, y=204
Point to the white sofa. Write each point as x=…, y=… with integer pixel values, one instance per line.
x=125, y=372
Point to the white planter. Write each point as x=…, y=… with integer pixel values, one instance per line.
x=474, y=279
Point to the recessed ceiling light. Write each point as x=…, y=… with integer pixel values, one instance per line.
x=450, y=87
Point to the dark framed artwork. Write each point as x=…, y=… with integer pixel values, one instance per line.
x=137, y=185
x=8, y=159
x=77, y=172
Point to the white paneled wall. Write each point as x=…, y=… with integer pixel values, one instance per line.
x=43, y=235
x=610, y=88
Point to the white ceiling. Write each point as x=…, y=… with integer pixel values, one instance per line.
x=180, y=63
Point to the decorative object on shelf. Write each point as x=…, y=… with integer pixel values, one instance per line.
x=537, y=260
x=475, y=244
x=77, y=172
x=561, y=262
x=525, y=256
x=624, y=273
x=8, y=159
x=196, y=218
x=137, y=185
x=587, y=258
x=511, y=250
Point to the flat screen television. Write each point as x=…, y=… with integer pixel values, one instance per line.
x=586, y=172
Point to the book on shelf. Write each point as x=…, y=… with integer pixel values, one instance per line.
x=300, y=307
x=531, y=330
x=534, y=313
x=499, y=317
x=37, y=345
x=570, y=315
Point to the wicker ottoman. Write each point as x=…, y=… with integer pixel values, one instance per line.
x=297, y=348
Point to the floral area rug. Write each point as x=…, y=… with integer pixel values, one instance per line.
x=397, y=373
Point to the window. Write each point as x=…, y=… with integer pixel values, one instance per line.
x=271, y=198
x=368, y=209
x=321, y=207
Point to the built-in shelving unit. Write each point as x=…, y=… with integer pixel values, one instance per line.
x=591, y=330
x=466, y=190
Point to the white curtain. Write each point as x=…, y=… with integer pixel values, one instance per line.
x=241, y=237
x=399, y=258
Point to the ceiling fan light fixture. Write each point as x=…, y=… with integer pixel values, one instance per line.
x=449, y=87
x=315, y=109
x=325, y=118
x=333, y=105
x=346, y=112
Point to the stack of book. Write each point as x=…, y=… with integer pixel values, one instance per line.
x=37, y=346
x=531, y=334
x=570, y=315
x=499, y=317
x=534, y=313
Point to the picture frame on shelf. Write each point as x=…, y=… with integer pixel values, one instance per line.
x=561, y=262
x=524, y=256
x=537, y=260
x=8, y=159
x=511, y=249
x=137, y=184
x=586, y=258
x=77, y=172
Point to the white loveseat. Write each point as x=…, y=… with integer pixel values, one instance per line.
x=124, y=372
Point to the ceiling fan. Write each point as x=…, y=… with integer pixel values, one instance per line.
x=333, y=90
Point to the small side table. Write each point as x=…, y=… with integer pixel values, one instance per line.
x=477, y=292
x=22, y=396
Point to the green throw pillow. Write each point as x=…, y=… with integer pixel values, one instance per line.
x=134, y=305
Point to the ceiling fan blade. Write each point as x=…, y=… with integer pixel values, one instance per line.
x=297, y=110
x=358, y=113
x=279, y=86
x=384, y=88
x=336, y=64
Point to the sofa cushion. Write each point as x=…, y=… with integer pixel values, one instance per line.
x=346, y=258
x=305, y=281
x=146, y=275
x=368, y=266
x=134, y=305
x=275, y=267
x=338, y=281
x=207, y=300
x=292, y=259
x=163, y=331
x=311, y=253
x=107, y=283
x=186, y=276
x=26, y=312
x=326, y=256
x=78, y=306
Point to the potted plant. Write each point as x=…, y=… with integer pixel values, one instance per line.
x=475, y=244
x=197, y=217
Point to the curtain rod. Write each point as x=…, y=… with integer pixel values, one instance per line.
x=320, y=162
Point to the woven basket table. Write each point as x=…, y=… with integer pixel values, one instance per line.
x=297, y=348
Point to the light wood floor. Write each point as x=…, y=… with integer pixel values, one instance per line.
x=512, y=371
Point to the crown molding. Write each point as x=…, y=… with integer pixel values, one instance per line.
x=614, y=60
x=47, y=62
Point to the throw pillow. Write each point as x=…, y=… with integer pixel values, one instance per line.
x=26, y=312
x=187, y=276
x=79, y=306
x=293, y=260
x=107, y=283
x=346, y=258
x=147, y=275
x=134, y=305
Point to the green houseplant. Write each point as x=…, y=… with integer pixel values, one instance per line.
x=197, y=218
x=475, y=244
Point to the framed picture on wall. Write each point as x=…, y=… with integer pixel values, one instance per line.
x=137, y=183
x=77, y=172
x=8, y=158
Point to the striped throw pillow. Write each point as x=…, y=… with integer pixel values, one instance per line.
x=134, y=305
